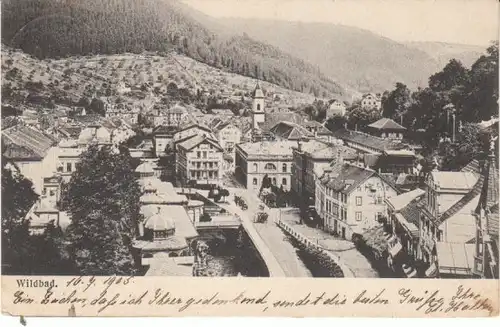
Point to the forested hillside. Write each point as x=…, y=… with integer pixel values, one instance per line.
x=60, y=28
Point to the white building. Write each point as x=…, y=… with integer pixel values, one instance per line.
x=351, y=199
x=371, y=101
x=258, y=107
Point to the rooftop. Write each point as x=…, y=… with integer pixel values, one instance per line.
x=454, y=180
x=401, y=201
x=368, y=140
x=290, y=131
x=196, y=140
x=268, y=148
x=386, y=123
x=28, y=142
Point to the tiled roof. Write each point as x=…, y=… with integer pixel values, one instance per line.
x=290, y=131
x=411, y=214
x=377, y=143
x=198, y=139
x=271, y=119
x=472, y=167
x=29, y=142
x=165, y=130
x=346, y=177
x=386, y=123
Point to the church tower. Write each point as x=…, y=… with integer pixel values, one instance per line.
x=258, y=114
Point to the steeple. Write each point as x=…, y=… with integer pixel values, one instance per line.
x=258, y=112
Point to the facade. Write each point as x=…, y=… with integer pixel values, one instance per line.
x=308, y=157
x=228, y=135
x=258, y=107
x=486, y=254
x=371, y=101
x=162, y=137
x=32, y=151
x=174, y=116
x=254, y=161
x=447, y=226
x=387, y=128
x=403, y=220
x=336, y=108
x=200, y=159
x=351, y=199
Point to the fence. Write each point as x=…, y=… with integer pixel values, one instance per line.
x=348, y=273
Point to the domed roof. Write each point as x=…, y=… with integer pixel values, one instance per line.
x=86, y=136
x=153, y=198
x=160, y=222
x=102, y=135
x=145, y=168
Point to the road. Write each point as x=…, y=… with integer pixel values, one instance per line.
x=272, y=236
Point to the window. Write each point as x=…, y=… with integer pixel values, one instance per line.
x=44, y=191
x=274, y=180
x=204, y=154
x=68, y=167
x=359, y=201
x=198, y=154
x=359, y=216
x=192, y=174
x=255, y=181
x=283, y=181
x=258, y=107
x=284, y=168
x=52, y=193
x=254, y=167
x=270, y=166
x=379, y=200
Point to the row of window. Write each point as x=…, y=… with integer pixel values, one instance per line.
x=283, y=181
x=204, y=174
x=271, y=167
x=204, y=165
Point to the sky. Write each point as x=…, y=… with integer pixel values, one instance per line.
x=473, y=22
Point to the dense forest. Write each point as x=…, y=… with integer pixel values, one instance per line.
x=60, y=28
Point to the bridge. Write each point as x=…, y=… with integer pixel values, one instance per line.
x=218, y=224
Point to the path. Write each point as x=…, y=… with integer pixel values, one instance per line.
x=345, y=250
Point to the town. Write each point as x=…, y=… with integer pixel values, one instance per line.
x=115, y=165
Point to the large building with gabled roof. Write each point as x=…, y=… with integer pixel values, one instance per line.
x=199, y=159
x=387, y=129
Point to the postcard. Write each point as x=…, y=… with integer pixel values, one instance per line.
x=250, y=158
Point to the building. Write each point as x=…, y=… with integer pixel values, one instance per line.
x=175, y=116
x=200, y=159
x=254, y=161
x=228, y=135
x=336, y=108
x=371, y=101
x=163, y=136
x=403, y=221
x=308, y=157
x=486, y=255
x=258, y=107
x=387, y=129
x=393, y=162
x=351, y=199
x=447, y=226
x=167, y=229
x=32, y=151
x=285, y=130
x=367, y=143
x=190, y=130
x=319, y=131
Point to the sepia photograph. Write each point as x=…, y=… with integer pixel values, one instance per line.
x=260, y=139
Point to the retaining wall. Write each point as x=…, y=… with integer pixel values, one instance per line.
x=348, y=273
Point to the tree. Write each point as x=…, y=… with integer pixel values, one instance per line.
x=335, y=122
x=103, y=197
x=18, y=197
x=97, y=106
x=453, y=74
x=359, y=117
x=396, y=102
